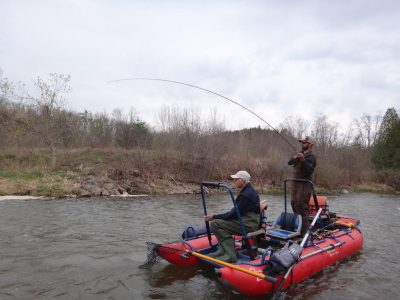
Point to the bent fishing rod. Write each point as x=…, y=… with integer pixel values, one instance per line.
x=211, y=92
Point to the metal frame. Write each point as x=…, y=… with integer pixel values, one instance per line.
x=218, y=185
x=303, y=181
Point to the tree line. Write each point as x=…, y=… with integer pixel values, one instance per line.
x=368, y=151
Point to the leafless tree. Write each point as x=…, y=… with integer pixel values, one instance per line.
x=325, y=133
x=297, y=126
x=49, y=102
x=366, y=130
x=38, y=114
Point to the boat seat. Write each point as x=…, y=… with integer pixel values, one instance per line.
x=255, y=235
x=263, y=220
x=288, y=225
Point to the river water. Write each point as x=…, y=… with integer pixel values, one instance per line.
x=92, y=249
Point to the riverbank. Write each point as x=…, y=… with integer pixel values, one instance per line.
x=70, y=185
x=108, y=173
x=58, y=186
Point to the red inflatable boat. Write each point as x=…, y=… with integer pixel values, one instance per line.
x=324, y=251
x=332, y=238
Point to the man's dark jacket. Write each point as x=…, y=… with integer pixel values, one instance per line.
x=247, y=201
x=304, y=169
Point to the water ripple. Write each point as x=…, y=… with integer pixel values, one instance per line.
x=91, y=249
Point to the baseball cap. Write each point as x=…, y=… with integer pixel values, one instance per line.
x=307, y=139
x=242, y=175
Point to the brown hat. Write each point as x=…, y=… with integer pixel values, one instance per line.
x=307, y=139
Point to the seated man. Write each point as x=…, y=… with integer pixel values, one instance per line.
x=227, y=224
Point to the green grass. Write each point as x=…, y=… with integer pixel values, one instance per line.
x=24, y=175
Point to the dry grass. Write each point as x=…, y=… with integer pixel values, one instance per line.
x=26, y=172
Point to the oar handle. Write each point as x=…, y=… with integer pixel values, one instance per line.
x=303, y=242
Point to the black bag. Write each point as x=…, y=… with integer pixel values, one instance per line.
x=192, y=232
x=282, y=260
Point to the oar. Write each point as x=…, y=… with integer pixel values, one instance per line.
x=228, y=265
x=337, y=222
x=277, y=294
x=219, y=262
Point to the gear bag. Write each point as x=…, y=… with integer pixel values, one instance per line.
x=283, y=259
x=193, y=232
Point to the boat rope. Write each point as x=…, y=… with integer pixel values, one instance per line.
x=209, y=91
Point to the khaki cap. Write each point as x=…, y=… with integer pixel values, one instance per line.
x=307, y=139
x=242, y=175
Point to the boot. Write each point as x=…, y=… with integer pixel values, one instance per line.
x=220, y=251
x=229, y=251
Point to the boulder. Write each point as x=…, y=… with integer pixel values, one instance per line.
x=105, y=192
x=92, y=188
x=84, y=193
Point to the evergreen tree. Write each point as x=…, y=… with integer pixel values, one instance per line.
x=387, y=148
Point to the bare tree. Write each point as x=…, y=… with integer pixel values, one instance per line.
x=40, y=115
x=366, y=130
x=49, y=103
x=297, y=126
x=325, y=133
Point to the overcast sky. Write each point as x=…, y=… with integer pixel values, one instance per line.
x=278, y=58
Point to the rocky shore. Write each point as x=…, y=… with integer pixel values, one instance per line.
x=110, y=183
x=125, y=187
x=114, y=182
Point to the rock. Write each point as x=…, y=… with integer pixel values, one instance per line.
x=121, y=190
x=84, y=193
x=105, y=192
x=109, y=186
x=344, y=191
x=93, y=189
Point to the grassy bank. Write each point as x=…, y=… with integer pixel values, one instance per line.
x=105, y=172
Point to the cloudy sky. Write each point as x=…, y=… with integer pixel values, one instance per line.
x=278, y=58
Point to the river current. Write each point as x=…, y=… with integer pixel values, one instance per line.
x=92, y=249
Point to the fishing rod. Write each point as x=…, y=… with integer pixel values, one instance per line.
x=209, y=91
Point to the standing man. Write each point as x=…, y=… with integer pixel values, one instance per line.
x=304, y=163
x=226, y=224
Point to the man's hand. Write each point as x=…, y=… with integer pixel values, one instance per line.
x=300, y=156
x=208, y=218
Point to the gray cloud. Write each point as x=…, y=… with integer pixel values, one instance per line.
x=276, y=57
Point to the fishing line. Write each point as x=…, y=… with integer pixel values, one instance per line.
x=209, y=91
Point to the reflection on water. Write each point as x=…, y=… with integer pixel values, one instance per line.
x=91, y=249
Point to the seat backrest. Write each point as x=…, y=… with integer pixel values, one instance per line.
x=263, y=219
x=288, y=221
x=263, y=214
x=322, y=202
